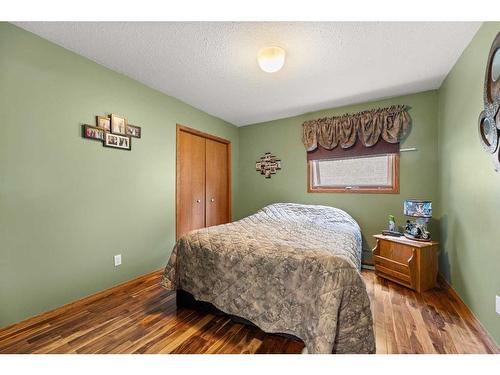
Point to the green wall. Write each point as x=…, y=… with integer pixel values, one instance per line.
x=68, y=204
x=469, y=188
x=283, y=138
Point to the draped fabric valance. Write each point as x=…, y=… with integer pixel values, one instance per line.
x=392, y=123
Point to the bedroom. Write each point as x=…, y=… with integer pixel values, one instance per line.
x=222, y=187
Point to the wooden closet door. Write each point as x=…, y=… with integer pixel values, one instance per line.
x=217, y=183
x=190, y=182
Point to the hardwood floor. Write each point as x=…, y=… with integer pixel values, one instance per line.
x=435, y=321
x=140, y=317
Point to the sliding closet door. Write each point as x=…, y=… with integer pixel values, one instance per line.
x=190, y=182
x=217, y=183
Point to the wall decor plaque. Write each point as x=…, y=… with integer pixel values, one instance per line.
x=103, y=122
x=118, y=141
x=118, y=124
x=133, y=131
x=268, y=165
x=93, y=132
x=113, y=131
x=489, y=118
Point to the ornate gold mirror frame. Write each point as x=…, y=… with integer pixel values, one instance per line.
x=489, y=119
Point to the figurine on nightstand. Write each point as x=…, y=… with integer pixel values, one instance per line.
x=408, y=226
x=392, y=223
x=392, y=228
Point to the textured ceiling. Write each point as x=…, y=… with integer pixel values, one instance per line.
x=212, y=65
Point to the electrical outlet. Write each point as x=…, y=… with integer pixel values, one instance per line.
x=118, y=260
x=498, y=305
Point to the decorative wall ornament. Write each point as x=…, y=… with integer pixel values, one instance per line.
x=93, y=132
x=390, y=123
x=118, y=141
x=113, y=131
x=268, y=165
x=489, y=118
x=118, y=124
x=133, y=131
x=103, y=122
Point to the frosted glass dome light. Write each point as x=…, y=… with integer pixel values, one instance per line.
x=271, y=59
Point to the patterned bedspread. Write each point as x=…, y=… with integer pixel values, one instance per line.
x=289, y=268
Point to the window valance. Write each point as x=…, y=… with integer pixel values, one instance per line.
x=391, y=123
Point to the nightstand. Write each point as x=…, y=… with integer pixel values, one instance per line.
x=410, y=263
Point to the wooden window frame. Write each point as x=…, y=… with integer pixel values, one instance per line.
x=394, y=189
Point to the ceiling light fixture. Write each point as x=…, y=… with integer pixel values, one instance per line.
x=271, y=59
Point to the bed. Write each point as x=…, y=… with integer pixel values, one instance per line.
x=289, y=268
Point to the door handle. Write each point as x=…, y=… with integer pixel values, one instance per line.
x=198, y=200
x=212, y=200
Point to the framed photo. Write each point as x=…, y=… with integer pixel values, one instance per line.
x=92, y=132
x=103, y=122
x=133, y=131
x=118, y=125
x=117, y=141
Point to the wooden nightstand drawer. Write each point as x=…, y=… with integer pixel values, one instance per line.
x=392, y=265
x=394, y=276
x=395, y=251
x=409, y=263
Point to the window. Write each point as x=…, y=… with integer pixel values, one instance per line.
x=364, y=174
